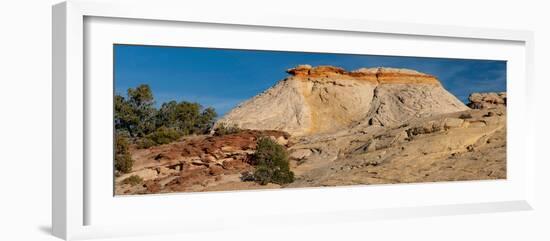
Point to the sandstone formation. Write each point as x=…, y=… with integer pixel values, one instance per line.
x=466, y=145
x=487, y=100
x=200, y=163
x=368, y=126
x=325, y=98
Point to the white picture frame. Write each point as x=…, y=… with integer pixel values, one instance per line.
x=72, y=191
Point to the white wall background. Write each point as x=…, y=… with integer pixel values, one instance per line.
x=25, y=120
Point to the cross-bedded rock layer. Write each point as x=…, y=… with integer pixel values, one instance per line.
x=326, y=98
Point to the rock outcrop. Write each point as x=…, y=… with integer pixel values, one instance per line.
x=324, y=99
x=466, y=145
x=198, y=163
x=487, y=100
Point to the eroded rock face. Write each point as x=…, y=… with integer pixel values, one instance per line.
x=378, y=75
x=487, y=100
x=195, y=163
x=446, y=147
x=324, y=99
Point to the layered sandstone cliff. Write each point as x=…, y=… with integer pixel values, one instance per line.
x=326, y=98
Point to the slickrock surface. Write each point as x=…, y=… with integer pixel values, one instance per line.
x=467, y=145
x=326, y=98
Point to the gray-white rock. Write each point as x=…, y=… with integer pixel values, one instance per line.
x=325, y=99
x=300, y=154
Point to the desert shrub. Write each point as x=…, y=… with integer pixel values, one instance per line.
x=144, y=143
x=223, y=129
x=133, y=180
x=123, y=159
x=271, y=163
x=414, y=131
x=247, y=177
x=465, y=116
x=162, y=135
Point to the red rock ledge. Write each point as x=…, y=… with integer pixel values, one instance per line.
x=378, y=75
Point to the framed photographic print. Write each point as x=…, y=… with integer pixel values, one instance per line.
x=280, y=119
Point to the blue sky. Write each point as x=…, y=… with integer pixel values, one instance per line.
x=222, y=78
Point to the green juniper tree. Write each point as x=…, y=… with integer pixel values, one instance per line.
x=137, y=117
x=271, y=163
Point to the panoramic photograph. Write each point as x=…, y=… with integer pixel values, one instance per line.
x=190, y=119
